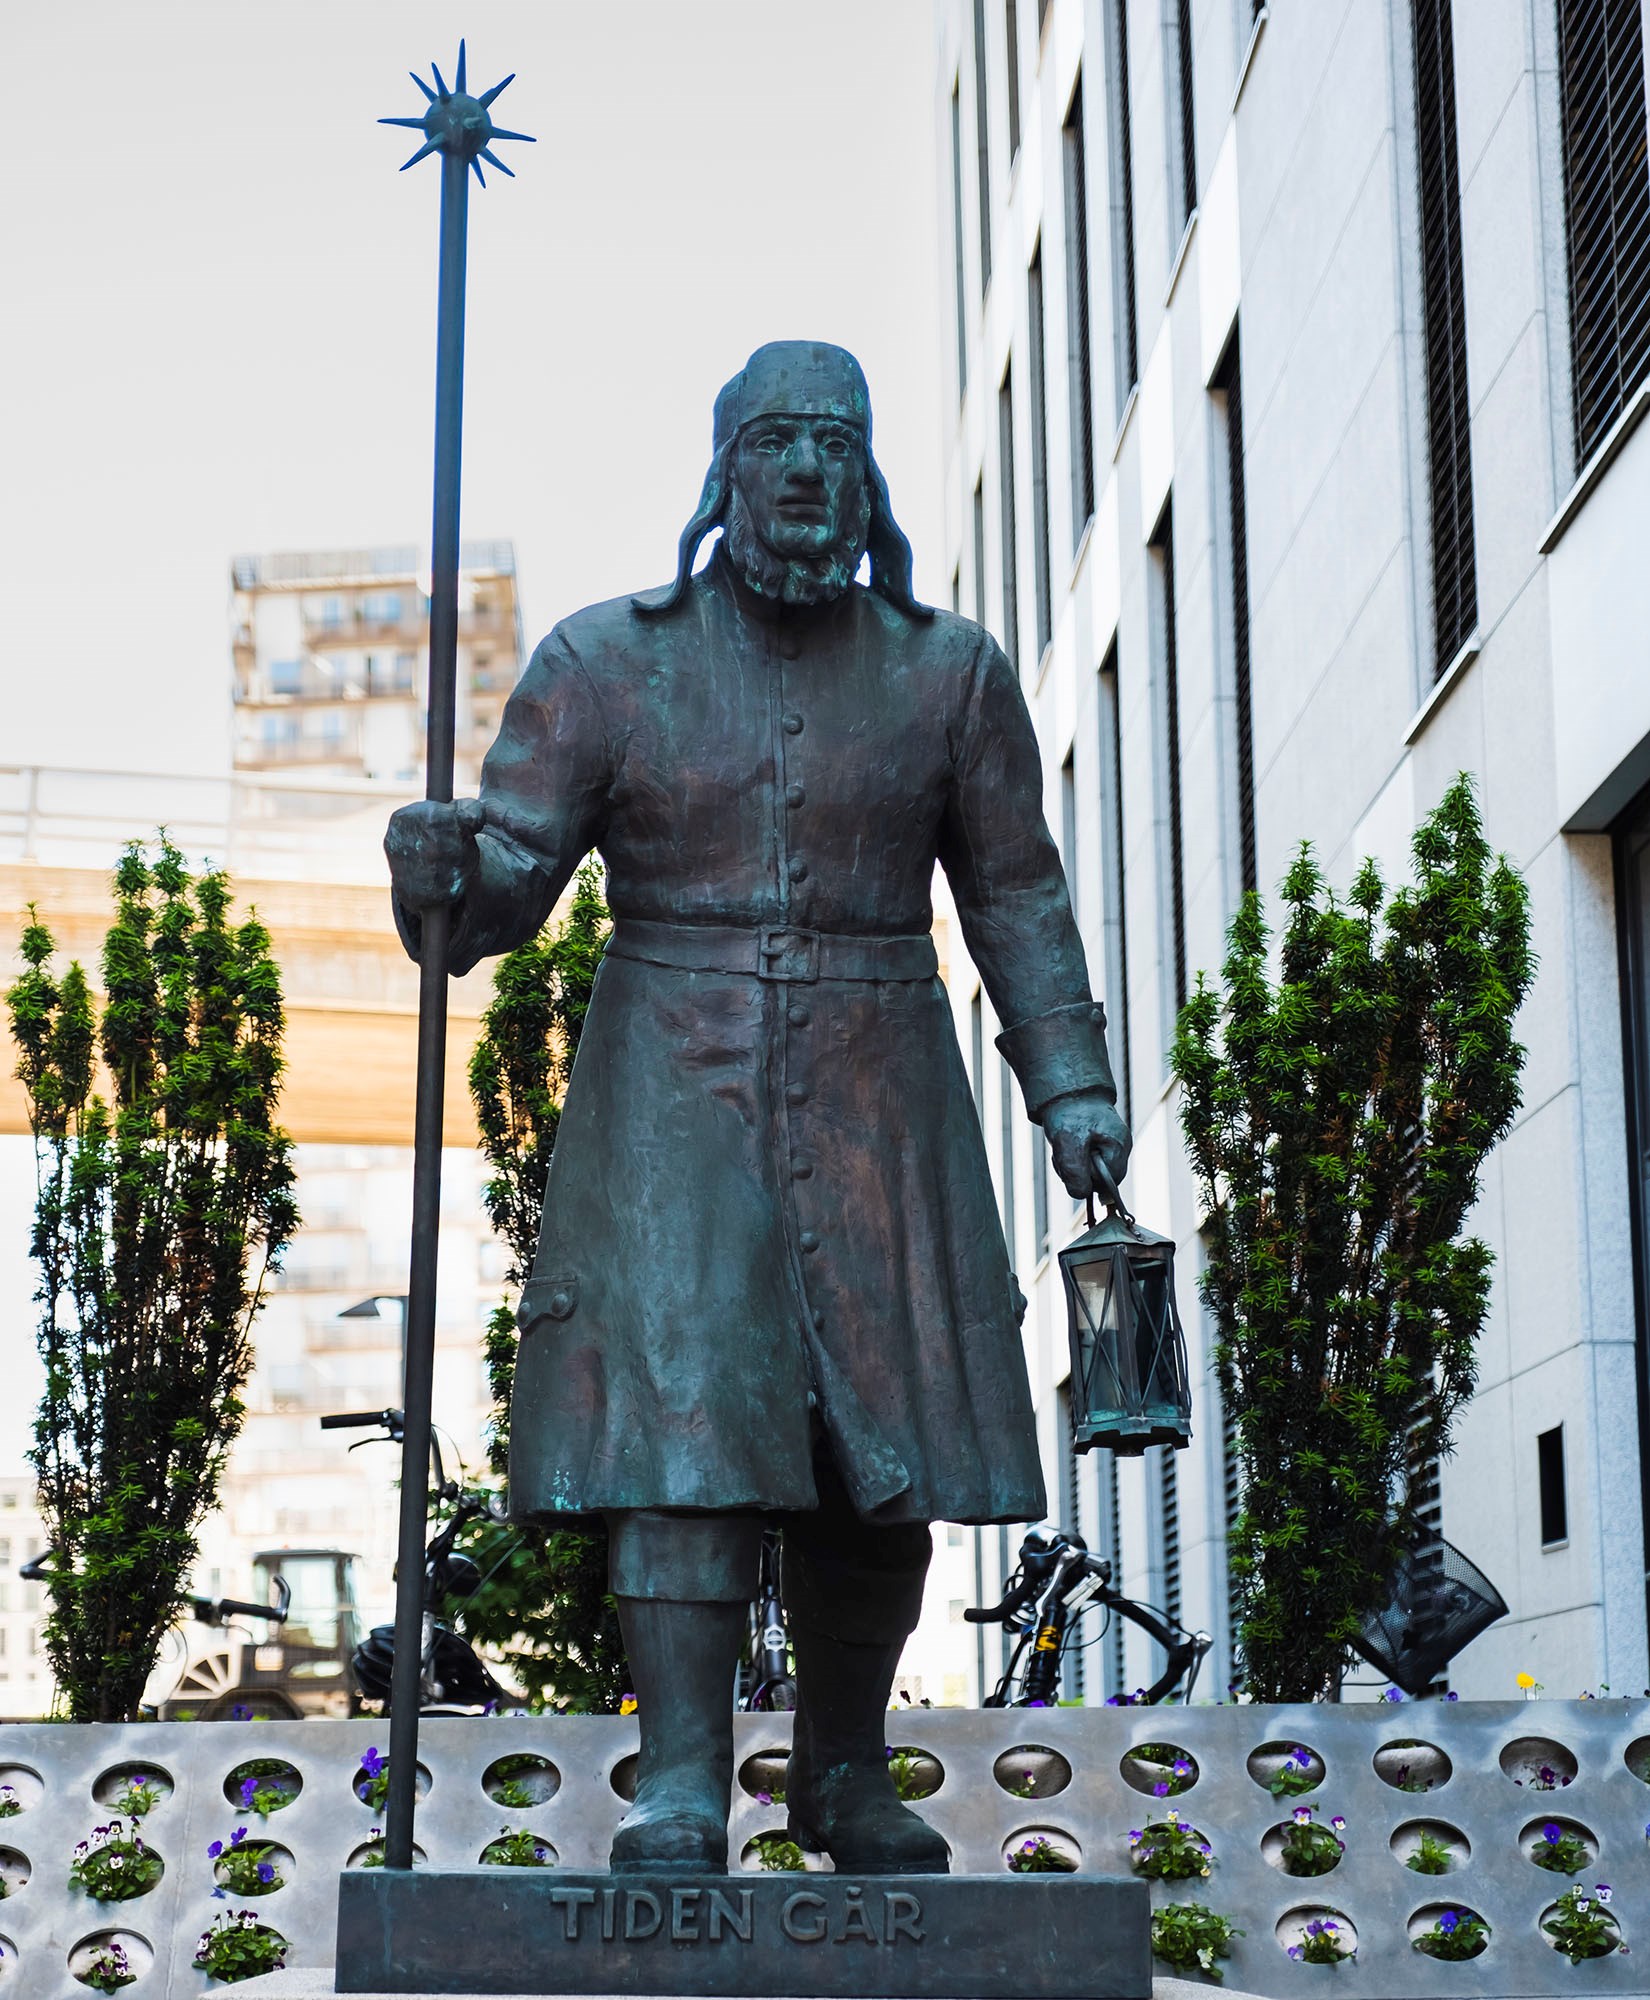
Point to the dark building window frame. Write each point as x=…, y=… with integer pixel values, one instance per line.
x=1011, y=45
x=1007, y=524
x=1120, y=201
x=1453, y=549
x=1631, y=844
x=1079, y=347
x=957, y=237
x=1227, y=387
x=1036, y=363
x=1166, y=673
x=1113, y=883
x=982, y=143
x=1603, y=138
x=1183, y=157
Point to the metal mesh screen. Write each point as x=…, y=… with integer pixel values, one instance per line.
x=1449, y=429
x=1607, y=206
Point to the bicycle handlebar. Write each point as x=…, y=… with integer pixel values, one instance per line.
x=355, y=1420
x=213, y=1610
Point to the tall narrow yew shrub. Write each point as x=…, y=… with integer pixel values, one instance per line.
x=164, y=1197
x=1337, y=1117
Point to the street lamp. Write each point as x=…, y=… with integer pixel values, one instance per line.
x=1129, y=1385
x=368, y=1309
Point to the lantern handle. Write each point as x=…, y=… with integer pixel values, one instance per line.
x=1108, y=1190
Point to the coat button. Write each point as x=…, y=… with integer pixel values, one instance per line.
x=809, y=1241
x=793, y=725
x=799, y=1017
x=790, y=646
x=796, y=868
x=559, y=1305
x=795, y=1093
x=795, y=795
x=803, y=1170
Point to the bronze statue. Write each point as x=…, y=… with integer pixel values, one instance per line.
x=771, y=1280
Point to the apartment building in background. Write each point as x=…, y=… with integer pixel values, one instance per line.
x=331, y=660
x=327, y=669
x=1297, y=361
x=25, y=1678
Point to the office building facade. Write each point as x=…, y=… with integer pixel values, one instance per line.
x=1297, y=355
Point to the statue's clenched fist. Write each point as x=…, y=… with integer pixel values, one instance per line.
x=1080, y=1126
x=432, y=851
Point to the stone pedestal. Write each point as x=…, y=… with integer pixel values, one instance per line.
x=809, y=1937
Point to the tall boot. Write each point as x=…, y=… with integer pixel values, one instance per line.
x=839, y=1796
x=682, y=1659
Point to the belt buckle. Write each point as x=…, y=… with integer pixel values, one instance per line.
x=779, y=944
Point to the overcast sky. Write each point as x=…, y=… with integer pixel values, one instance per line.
x=217, y=328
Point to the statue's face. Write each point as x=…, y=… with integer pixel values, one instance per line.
x=802, y=480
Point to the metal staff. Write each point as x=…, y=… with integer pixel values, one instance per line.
x=456, y=126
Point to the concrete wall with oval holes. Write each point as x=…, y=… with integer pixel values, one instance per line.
x=1479, y=1762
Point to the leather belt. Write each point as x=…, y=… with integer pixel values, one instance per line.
x=782, y=952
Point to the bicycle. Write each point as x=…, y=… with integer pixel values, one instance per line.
x=223, y=1694
x=1056, y=1583
x=766, y=1672
x=452, y=1679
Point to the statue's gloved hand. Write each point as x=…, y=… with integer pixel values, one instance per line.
x=432, y=851
x=1080, y=1125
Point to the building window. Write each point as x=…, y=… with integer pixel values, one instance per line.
x=1039, y=451
x=1113, y=906
x=1172, y=857
x=1079, y=355
x=1229, y=416
x=1011, y=41
x=956, y=590
x=5, y=1552
x=1111, y=1526
x=1010, y=535
x=1071, y=1519
x=286, y=676
x=1449, y=411
x=982, y=141
x=1231, y=1481
x=957, y=237
x=979, y=552
x=1039, y=1189
x=1168, y=1528
x=1185, y=119
x=1120, y=146
x=1555, y=1513
x=1607, y=208
x=1005, y=1101
x=1632, y=845
x=976, y=1031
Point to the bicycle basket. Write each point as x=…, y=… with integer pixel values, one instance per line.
x=1438, y=1604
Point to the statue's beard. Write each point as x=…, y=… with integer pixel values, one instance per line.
x=793, y=579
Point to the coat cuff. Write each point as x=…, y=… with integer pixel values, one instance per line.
x=1056, y=1053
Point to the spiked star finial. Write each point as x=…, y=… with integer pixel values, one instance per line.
x=454, y=122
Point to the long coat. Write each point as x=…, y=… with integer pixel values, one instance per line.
x=769, y=1196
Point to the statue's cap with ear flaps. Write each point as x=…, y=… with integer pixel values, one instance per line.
x=794, y=378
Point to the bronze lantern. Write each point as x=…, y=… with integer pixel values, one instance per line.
x=1129, y=1385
